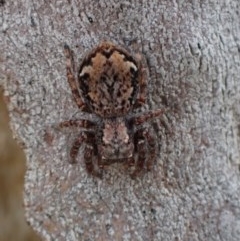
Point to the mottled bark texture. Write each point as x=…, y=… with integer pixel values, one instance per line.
x=192, y=51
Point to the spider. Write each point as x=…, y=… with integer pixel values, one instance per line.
x=110, y=84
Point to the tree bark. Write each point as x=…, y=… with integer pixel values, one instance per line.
x=192, y=52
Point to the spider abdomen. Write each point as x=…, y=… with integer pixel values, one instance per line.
x=109, y=80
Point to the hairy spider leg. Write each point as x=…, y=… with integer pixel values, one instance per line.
x=88, y=158
x=90, y=153
x=146, y=149
x=70, y=67
x=77, y=123
x=145, y=116
x=144, y=141
x=151, y=141
x=87, y=139
x=82, y=137
x=142, y=151
x=141, y=96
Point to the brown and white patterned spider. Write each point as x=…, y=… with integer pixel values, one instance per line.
x=111, y=84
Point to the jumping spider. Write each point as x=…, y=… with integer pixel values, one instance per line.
x=111, y=84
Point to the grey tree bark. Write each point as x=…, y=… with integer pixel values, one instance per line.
x=192, y=50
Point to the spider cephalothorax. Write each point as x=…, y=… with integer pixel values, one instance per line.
x=116, y=140
x=111, y=83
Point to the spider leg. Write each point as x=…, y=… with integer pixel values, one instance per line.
x=146, y=116
x=89, y=154
x=82, y=137
x=152, y=149
x=77, y=123
x=131, y=161
x=146, y=149
x=141, y=97
x=89, y=150
x=70, y=67
x=141, y=149
x=88, y=158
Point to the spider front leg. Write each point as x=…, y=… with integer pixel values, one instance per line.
x=141, y=157
x=151, y=141
x=70, y=67
x=89, y=152
x=77, y=123
x=146, y=149
x=89, y=155
x=82, y=137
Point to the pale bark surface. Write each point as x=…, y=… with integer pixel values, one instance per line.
x=193, y=54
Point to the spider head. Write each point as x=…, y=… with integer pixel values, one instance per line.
x=116, y=142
